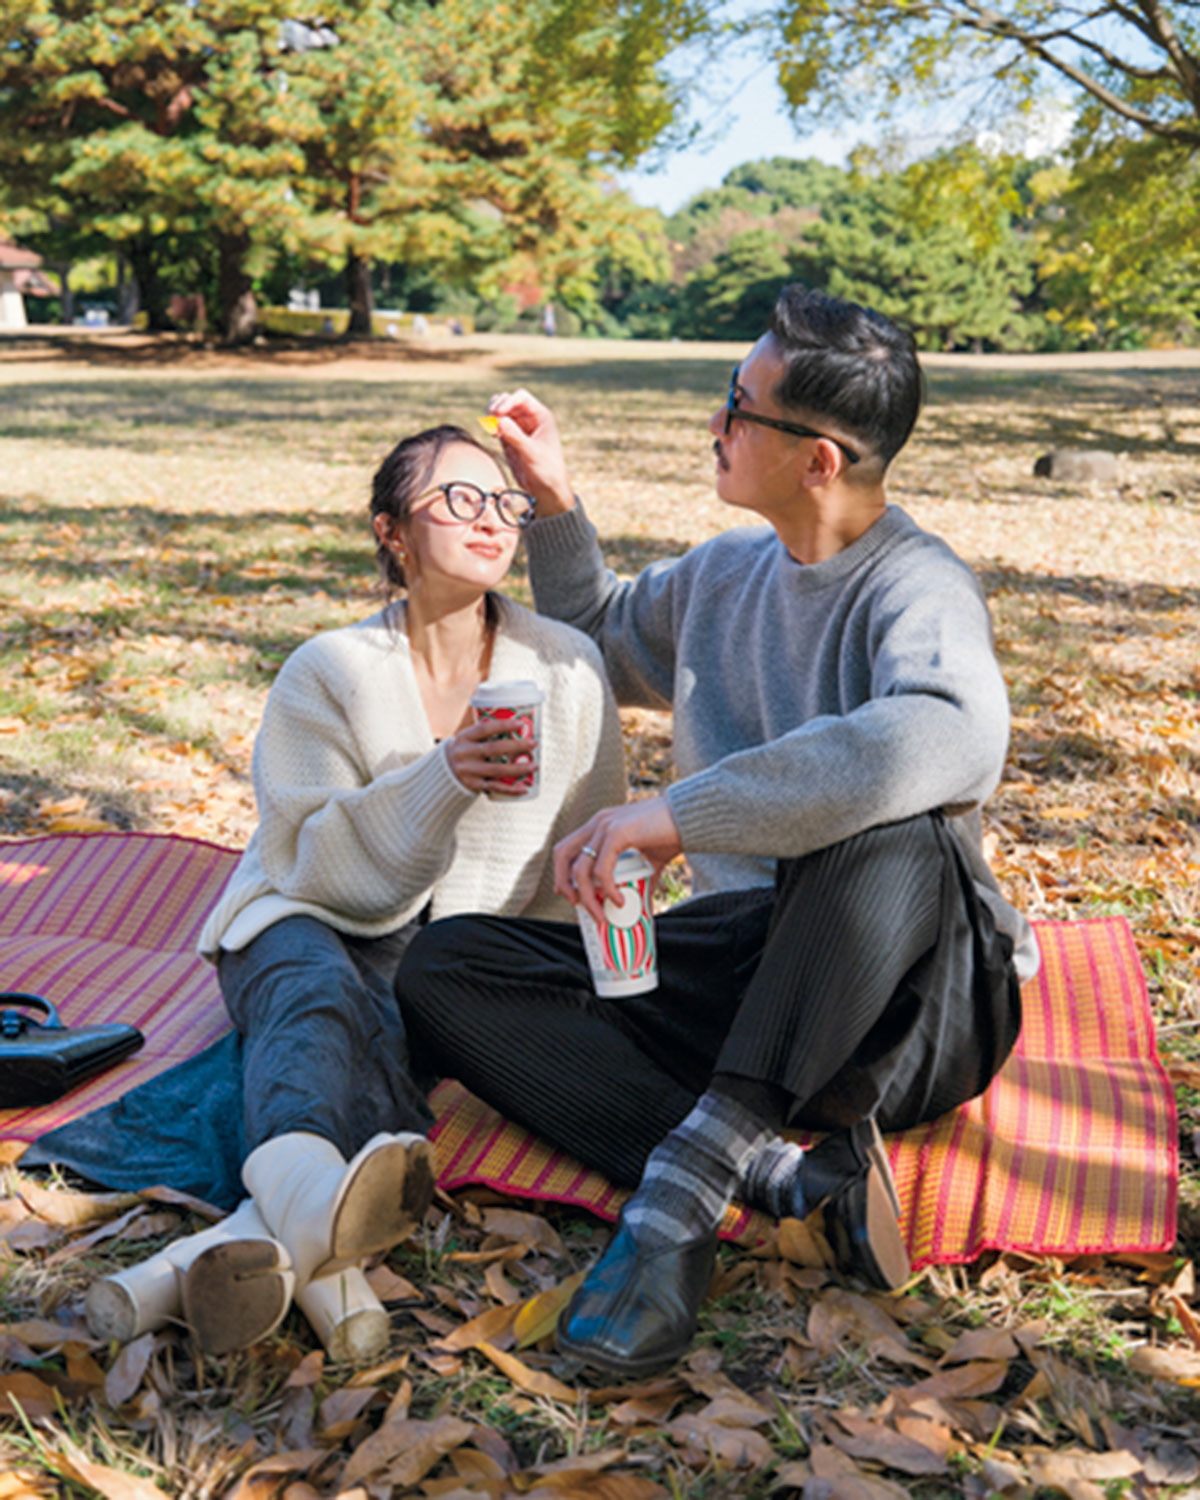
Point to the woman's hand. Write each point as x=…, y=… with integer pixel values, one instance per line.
x=584, y=860
x=484, y=761
x=529, y=436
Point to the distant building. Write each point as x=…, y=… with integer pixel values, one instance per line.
x=19, y=275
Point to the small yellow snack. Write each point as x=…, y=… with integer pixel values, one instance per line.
x=490, y=424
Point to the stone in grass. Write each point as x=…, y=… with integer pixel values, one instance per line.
x=1078, y=466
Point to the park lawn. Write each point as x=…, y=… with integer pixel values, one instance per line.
x=175, y=521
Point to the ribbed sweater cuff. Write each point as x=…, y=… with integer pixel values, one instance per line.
x=707, y=820
x=433, y=800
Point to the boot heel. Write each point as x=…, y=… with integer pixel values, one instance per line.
x=236, y=1294
x=346, y=1316
x=383, y=1196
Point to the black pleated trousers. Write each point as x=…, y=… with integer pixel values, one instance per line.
x=869, y=980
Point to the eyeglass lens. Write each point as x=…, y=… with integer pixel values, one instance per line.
x=731, y=403
x=466, y=502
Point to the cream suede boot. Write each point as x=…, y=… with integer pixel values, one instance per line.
x=346, y=1316
x=330, y=1213
x=231, y=1283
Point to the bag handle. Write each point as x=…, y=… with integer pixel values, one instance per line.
x=14, y=1025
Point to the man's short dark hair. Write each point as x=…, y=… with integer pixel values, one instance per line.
x=850, y=363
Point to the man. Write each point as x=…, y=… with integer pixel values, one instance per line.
x=847, y=962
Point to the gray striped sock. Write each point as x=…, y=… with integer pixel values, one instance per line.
x=771, y=1181
x=690, y=1178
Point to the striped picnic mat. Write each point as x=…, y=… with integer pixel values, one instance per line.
x=1073, y=1148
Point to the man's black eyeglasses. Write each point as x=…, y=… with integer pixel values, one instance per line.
x=732, y=409
x=467, y=502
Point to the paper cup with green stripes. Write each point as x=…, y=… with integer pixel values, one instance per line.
x=621, y=950
x=516, y=710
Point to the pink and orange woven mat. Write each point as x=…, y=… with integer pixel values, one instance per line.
x=1073, y=1148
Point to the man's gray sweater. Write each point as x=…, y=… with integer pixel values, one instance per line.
x=810, y=702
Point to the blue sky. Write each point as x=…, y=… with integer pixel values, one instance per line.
x=747, y=120
x=752, y=124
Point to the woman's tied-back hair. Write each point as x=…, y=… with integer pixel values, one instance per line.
x=850, y=363
x=401, y=477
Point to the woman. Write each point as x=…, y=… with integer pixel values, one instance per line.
x=382, y=805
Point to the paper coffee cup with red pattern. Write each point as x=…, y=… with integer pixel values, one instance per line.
x=621, y=950
x=516, y=709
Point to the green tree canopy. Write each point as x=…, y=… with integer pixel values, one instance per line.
x=140, y=124
x=1137, y=61
x=467, y=135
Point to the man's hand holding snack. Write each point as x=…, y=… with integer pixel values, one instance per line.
x=529, y=436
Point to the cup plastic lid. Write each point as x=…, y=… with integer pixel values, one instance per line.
x=515, y=693
x=631, y=864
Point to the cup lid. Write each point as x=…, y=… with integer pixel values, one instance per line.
x=515, y=693
x=631, y=864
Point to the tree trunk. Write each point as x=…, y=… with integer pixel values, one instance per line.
x=127, y=292
x=239, y=311
x=66, y=294
x=152, y=295
x=358, y=287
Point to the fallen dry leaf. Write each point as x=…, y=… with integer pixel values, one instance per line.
x=703, y=1441
x=82, y=1369
x=981, y=1343
x=72, y=1210
x=649, y=1410
x=389, y=1287
x=32, y=1235
x=979, y=1378
x=534, y=1382
x=113, y=1484
x=472, y=1464
x=801, y=1242
x=584, y=1484
x=41, y=1333
x=514, y=1224
x=837, y=1316
x=539, y=1316
x=341, y=1410
x=1182, y=1072
x=400, y=1453
x=1063, y=1468
x=15, y=1486
x=262, y=1478
x=863, y=1438
x=840, y=1478
x=499, y=1286
x=1176, y=1365
x=488, y=1328
x=735, y=1411
x=1184, y=1315
x=377, y=1374
x=22, y=1389
x=505, y=1250
x=112, y=1229
x=308, y=1371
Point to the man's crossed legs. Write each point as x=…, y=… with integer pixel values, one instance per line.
x=868, y=989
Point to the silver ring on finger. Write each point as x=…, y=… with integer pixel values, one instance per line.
x=589, y=851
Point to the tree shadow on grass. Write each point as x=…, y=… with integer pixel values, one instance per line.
x=180, y=350
x=19, y=810
x=630, y=554
x=1067, y=408
x=165, y=418
x=1093, y=589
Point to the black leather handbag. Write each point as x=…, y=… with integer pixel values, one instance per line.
x=42, y=1060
